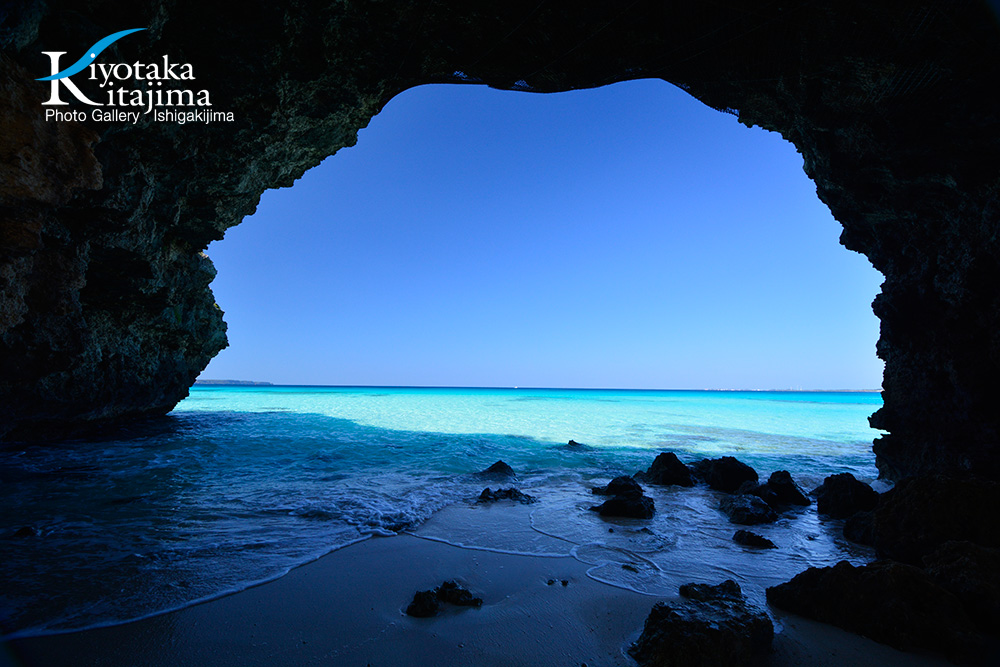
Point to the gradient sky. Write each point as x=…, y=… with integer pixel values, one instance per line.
x=627, y=236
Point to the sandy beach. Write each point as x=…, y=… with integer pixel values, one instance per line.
x=347, y=608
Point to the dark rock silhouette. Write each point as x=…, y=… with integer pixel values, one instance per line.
x=724, y=474
x=842, y=495
x=498, y=470
x=667, y=470
x=892, y=603
x=748, y=539
x=714, y=626
x=490, y=496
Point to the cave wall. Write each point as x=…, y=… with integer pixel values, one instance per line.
x=105, y=309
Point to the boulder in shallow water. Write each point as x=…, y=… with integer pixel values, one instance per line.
x=748, y=539
x=724, y=474
x=619, y=486
x=714, y=626
x=498, y=470
x=782, y=490
x=667, y=470
x=490, y=496
x=840, y=496
x=631, y=507
x=747, y=510
x=892, y=603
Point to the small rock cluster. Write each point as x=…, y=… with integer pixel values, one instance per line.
x=501, y=471
x=427, y=603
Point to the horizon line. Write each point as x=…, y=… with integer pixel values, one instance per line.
x=259, y=383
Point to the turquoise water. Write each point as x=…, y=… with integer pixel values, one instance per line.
x=239, y=484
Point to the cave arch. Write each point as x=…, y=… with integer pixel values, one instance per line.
x=105, y=313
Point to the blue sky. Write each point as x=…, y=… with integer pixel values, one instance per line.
x=626, y=236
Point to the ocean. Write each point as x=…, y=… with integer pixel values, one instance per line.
x=239, y=484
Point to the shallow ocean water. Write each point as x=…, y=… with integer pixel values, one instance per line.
x=239, y=484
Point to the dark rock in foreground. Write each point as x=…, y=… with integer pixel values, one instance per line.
x=498, y=470
x=725, y=474
x=619, y=486
x=972, y=574
x=860, y=528
x=748, y=539
x=842, y=495
x=490, y=496
x=631, y=507
x=715, y=626
x=747, y=510
x=427, y=603
x=667, y=470
x=920, y=514
x=892, y=603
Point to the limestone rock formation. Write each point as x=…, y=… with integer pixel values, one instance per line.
x=105, y=310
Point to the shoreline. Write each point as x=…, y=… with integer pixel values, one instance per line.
x=348, y=608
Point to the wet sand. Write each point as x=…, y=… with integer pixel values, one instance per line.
x=347, y=609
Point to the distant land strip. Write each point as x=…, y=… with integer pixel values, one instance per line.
x=248, y=383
